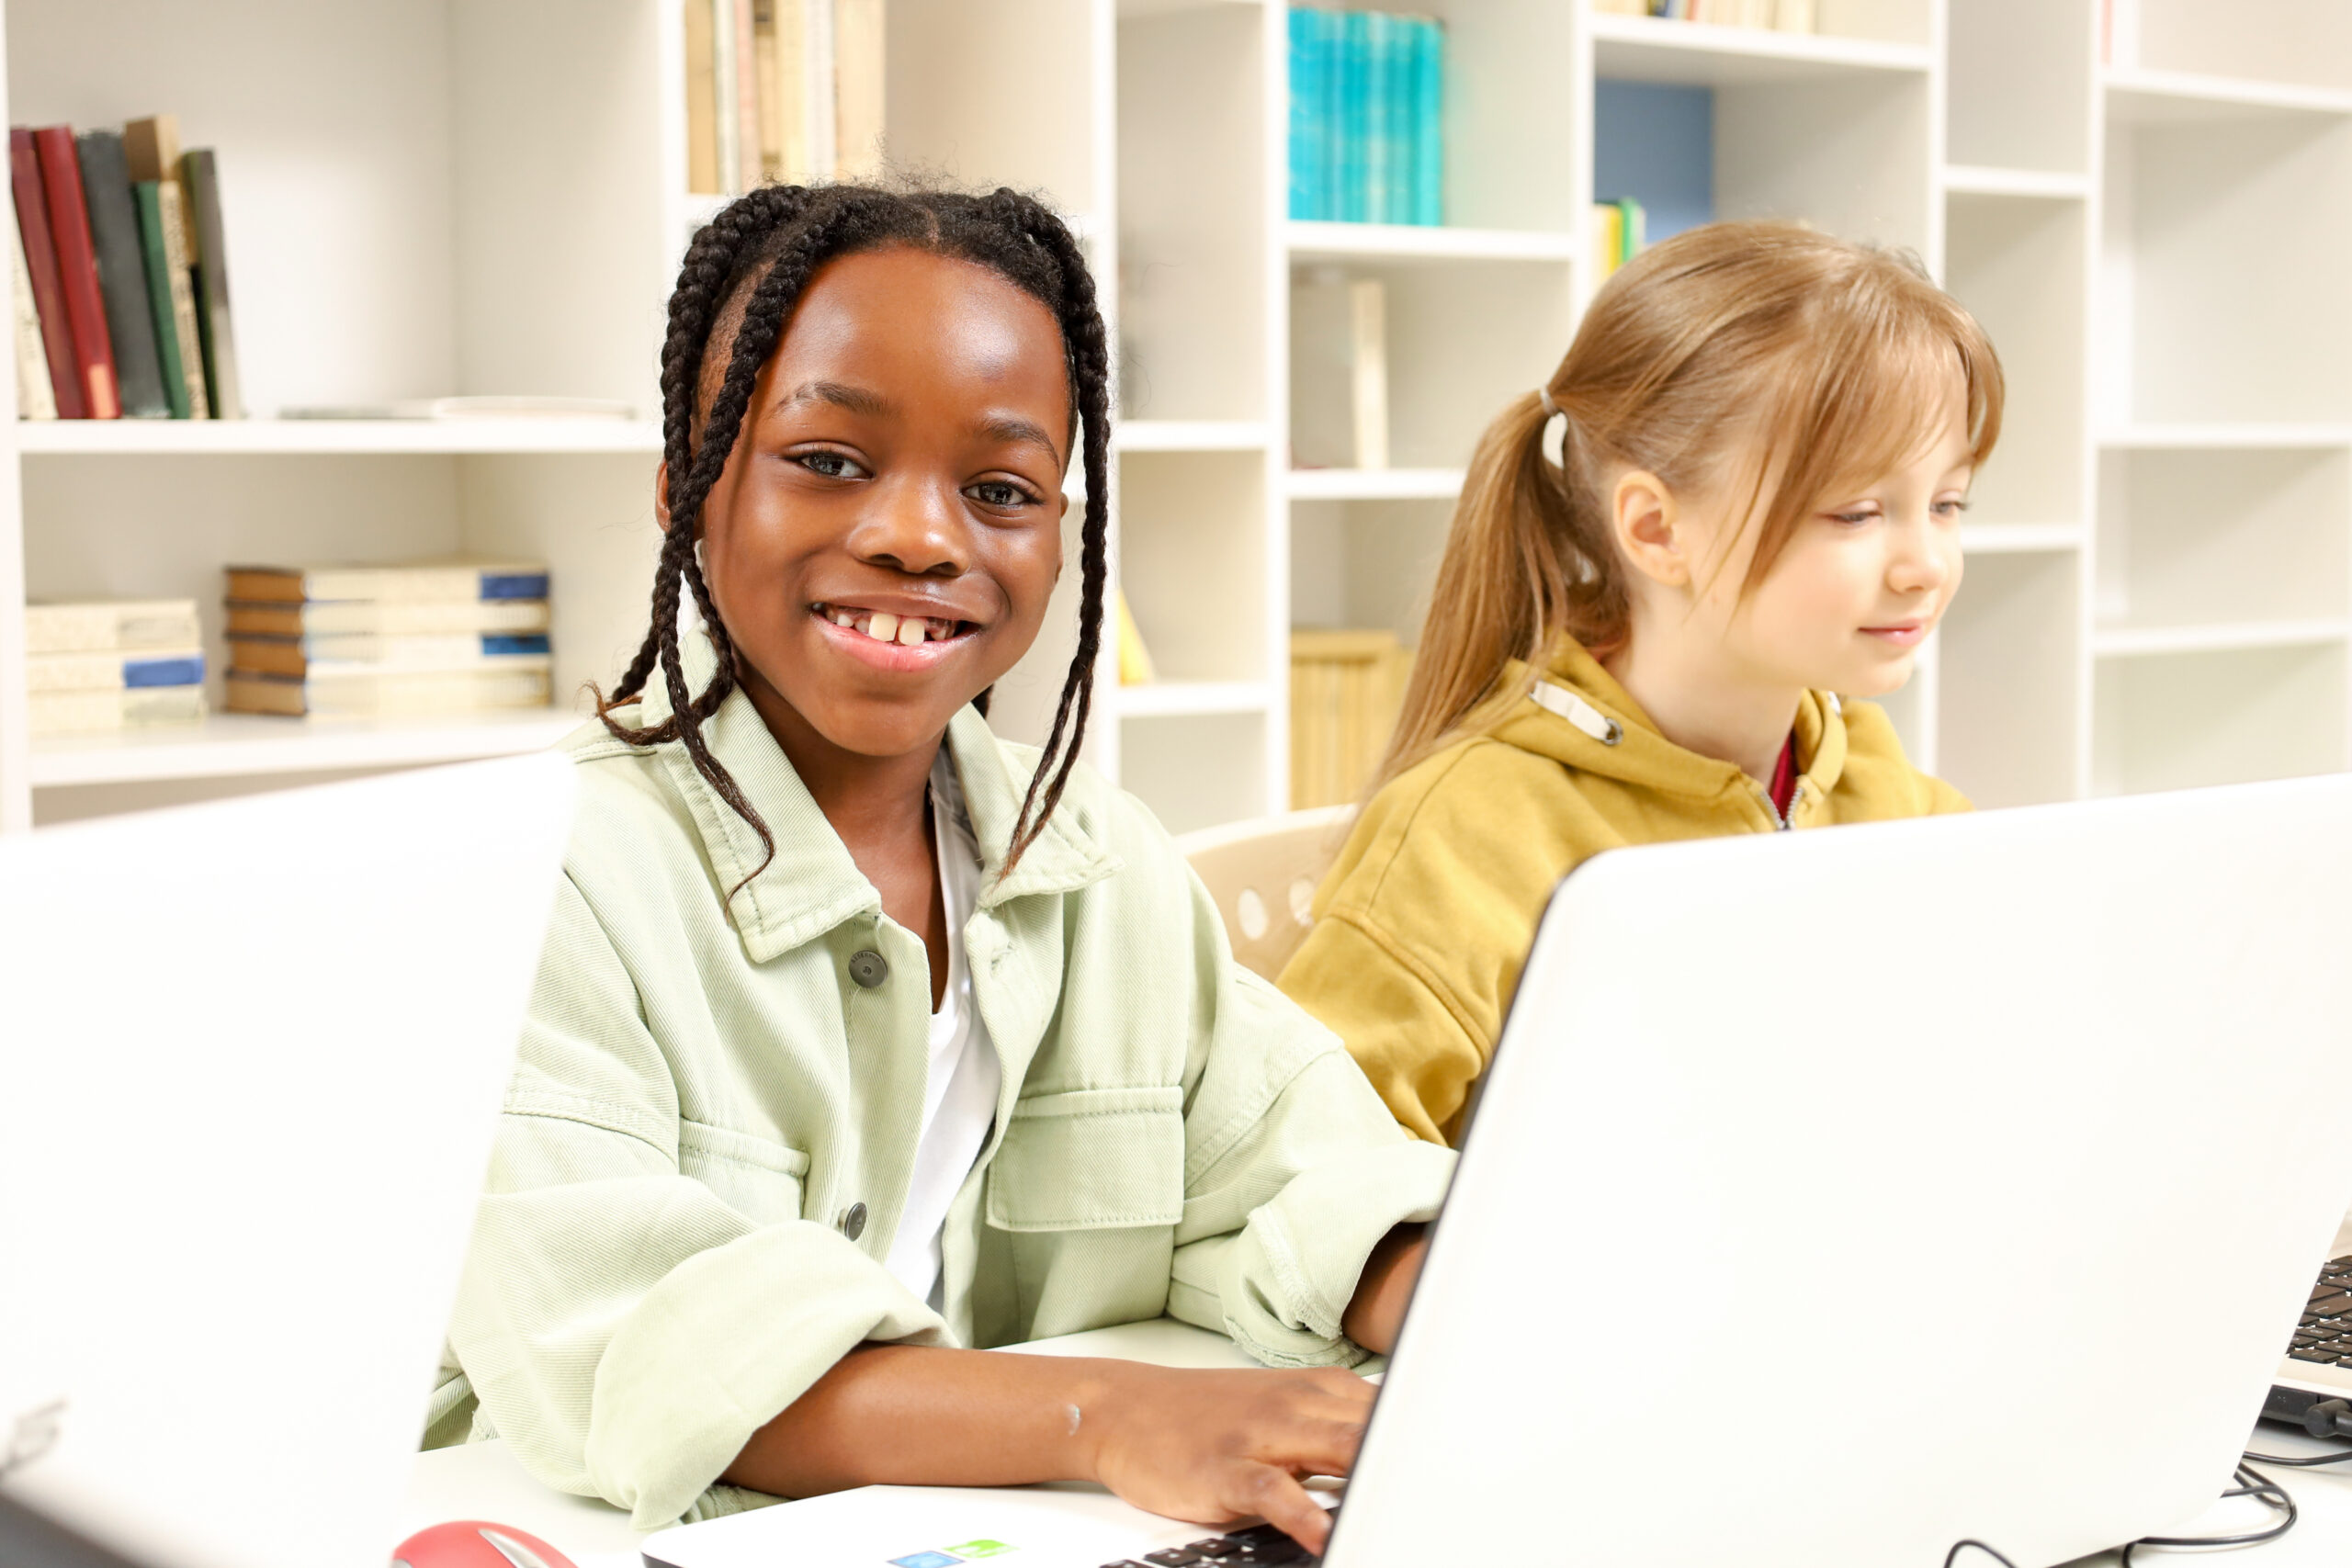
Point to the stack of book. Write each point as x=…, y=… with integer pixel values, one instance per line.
x=121, y=276
x=781, y=90
x=426, y=637
x=113, y=664
x=1367, y=116
x=1620, y=233
x=1346, y=688
x=1784, y=16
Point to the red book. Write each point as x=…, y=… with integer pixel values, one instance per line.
x=77, y=269
x=41, y=259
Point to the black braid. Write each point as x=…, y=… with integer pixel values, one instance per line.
x=751, y=264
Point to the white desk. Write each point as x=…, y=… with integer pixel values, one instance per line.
x=483, y=1480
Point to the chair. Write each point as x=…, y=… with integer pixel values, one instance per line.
x=1263, y=877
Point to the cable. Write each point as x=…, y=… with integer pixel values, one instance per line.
x=2251, y=1483
x=1959, y=1546
x=2307, y=1463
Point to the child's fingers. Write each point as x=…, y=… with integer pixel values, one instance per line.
x=1276, y=1497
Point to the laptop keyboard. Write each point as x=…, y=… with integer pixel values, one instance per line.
x=2325, y=1335
x=1260, y=1544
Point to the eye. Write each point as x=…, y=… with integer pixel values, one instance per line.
x=1001, y=493
x=831, y=465
x=1950, y=511
x=1855, y=518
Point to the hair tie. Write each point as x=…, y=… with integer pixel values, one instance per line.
x=1551, y=408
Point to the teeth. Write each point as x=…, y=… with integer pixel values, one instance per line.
x=911, y=632
x=844, y=618
x=883, y=627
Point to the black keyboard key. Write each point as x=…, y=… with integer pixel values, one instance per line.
x=2331, y=1307
x=2301, y=1353
x=1173, y=1557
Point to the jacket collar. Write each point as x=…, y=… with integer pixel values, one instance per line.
x=812, y=885
x=1539, y=714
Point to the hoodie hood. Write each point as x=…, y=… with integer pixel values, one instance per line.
x=1574, y=712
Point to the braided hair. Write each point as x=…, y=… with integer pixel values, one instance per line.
x=742, y=276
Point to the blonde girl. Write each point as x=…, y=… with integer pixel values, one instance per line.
x=1765, y=441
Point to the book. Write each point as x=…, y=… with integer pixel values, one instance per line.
x=35, y=398
x=77, y=271
x=726, y=113
x=161, y=304
x=1797, y=16
x=361, y=617
x=110, y=625
x=114, y=670
x=859, y=33
x=457, y=581
x=1428, y=121
x=747, y=99
x=1366, y=117
x=1347, y=688
x=701, y=99
x=1135, y=658
x=368, y=692
x=1354, y=136
x=1306, y=112
x=1608, y=239
x=136, y=708
x=1383, y=113
x=780, y=51
x=40, y=261
x=209, y=277
x=303, y=656
x=122, y=274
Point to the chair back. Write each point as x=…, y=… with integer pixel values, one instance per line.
x=1262, y=874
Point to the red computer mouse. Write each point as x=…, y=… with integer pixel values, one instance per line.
x=476, y=1543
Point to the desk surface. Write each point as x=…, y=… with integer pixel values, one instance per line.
x=483, y=1481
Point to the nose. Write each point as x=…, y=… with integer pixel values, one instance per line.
x=916, y=527
x=1924, y=559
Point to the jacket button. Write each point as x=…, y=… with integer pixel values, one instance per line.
x=853, y=1221
x=869, y=969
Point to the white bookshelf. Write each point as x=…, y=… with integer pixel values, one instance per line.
x=2160, y=586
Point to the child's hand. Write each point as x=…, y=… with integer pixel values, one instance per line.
x=1216, y=1446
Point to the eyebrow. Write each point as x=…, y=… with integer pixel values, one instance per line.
x=856, y=399
x=1008, y=429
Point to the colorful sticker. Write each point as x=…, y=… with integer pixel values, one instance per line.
x=982, y=1549
x=925, y=1560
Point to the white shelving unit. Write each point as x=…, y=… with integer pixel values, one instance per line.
x=487, y=196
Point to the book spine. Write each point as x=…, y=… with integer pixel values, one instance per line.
x=726, y=112
x=1380, y=118
x=69, y=713
x=1301, y=25
x=159, y=296
x=122, y=274
x=1355, y=114
x=201, y=182
x=1327, y=28
x=35, y=399
x=702, y=100
x=1368, y=335
x=77, y=271
x=1429, y=122
x=40, y=261
x=182, y=289
x=747, y=99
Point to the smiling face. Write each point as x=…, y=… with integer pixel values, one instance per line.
x=1860, y=583
x=887, y=533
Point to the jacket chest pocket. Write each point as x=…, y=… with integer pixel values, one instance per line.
x=758, y=1178
x=1090, y=1160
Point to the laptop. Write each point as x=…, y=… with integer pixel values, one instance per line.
x=255, y=1053
x=1830, y=1155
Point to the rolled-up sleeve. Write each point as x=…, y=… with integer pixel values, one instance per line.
x=1294, y=1170
x=624, y=1329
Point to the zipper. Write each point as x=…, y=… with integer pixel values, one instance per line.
x=1782, y=824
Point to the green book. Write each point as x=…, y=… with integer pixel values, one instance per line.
x=159, y=296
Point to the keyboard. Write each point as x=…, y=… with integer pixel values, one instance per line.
x=2325, y=1335
x=1242, y=1549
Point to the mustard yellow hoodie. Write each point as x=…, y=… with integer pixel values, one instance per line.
x=1422, y=924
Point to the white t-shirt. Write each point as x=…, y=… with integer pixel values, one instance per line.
x=959, y=1098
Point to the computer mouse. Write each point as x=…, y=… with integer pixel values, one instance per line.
x=476, y=1543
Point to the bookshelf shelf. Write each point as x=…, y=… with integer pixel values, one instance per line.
x=231, y=745
x=262, y=436
x=2021, y=538
x=2146, y=642
x=2031, y=185
x=1410, y=243
x=1182, y=699
x=1646, y=48
x=2247, y=438
x=1373, y=484
x=2177, y=97
x=1191, y=435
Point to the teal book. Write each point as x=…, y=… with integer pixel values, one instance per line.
x=1304, y=156
x=1384, y=167
x=1429, y=120
x=1355, y=115
x=159, y=296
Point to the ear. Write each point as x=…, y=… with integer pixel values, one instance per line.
x=1645, y=522
x=661, y=496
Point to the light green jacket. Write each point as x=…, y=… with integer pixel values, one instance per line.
x=658, y=1266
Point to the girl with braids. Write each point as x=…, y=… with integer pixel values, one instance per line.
x=861, y=1036
x=1766, y=440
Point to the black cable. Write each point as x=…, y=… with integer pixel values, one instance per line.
x=1959, y=1546
x=2344, y=1458
x=2252, y=1482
